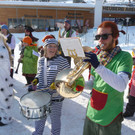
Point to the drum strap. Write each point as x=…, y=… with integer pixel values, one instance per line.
x=45, y=69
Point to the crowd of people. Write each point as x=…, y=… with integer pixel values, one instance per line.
x=110, y=71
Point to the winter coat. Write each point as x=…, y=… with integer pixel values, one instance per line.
x=29, y=60
x=6, y=86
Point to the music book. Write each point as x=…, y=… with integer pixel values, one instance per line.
x=72, y=47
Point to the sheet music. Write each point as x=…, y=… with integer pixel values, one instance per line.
x=72, y=46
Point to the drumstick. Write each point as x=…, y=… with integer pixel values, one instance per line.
x=41, y=89
x=27, y=85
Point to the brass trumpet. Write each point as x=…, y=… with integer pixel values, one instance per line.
x=66, y=78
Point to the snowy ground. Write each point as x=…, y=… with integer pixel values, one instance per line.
x=73, y=113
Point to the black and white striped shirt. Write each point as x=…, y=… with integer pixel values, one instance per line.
x=54, y=65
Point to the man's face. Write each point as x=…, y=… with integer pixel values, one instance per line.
x=66, y=26
x=105, y=38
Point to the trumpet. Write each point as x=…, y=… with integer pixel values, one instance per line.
x=66, y=78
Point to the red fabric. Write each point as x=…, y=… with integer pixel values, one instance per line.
x=98, y=99
x=79, y=88
x=130, y=83
x=47, y=37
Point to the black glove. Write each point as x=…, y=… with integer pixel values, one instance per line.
x=92, y=58
x=32, y=88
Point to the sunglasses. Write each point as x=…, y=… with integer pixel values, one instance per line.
x=103, y=36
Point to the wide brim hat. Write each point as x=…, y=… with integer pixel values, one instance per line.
x=50, y=41
x=28, y=28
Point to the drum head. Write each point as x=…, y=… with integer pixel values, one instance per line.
x=35, y=99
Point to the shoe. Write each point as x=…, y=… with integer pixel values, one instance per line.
x=127, y=114
x=2, y=124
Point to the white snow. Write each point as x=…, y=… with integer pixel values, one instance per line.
x=73, y=112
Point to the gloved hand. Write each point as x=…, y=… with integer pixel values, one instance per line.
x=92, y=58
x=32, y=88
x=35, y=81
x=52, y=86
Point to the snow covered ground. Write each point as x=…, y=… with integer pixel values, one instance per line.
x=73, y=113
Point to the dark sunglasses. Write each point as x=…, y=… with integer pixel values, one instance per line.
x=103, y=36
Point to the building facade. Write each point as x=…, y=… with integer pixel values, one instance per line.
x=44, y=16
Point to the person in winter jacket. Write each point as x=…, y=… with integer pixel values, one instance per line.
x=133, y=71
x=29, y=59
x=67, y=33
x=10, y=38
x=6, y=85
x=110, y=73
x=10, y=42
x=130, y=107
x=49, y=66
x=28, y=32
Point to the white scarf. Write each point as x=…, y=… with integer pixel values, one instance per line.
x=45, y=69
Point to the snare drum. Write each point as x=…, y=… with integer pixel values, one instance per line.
x=35, y=105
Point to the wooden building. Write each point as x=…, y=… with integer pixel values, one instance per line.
x=44, y=16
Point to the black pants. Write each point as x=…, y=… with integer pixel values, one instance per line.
x=11, y=72
x=130, y=108
x=29, y=79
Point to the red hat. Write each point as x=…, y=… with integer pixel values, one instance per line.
x=48, y=37
x=28, y=40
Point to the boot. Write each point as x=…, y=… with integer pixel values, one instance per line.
x=127, y=114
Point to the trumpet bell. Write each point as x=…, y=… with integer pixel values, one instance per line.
x=63, y=89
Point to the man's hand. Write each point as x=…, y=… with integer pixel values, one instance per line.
x=92, y=58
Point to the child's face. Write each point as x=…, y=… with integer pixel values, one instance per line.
x=25, y=44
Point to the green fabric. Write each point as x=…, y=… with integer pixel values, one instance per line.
x=114, y=104
x=92, y=128
x=68, y=33
x=79, y=84
x=29, y=60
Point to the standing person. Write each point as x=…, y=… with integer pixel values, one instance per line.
x=49, y=66
x=10, y=41
x=130, y=107
x=68, y=32
x=111, y=71
x=29, y=59
x=6, y=86
x=28, y=32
